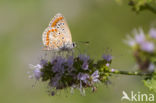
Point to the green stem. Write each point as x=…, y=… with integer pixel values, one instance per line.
x=152, y=9
x=129, y=73
x=147, y=6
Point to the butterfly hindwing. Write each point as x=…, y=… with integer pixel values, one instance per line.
x=57, y=34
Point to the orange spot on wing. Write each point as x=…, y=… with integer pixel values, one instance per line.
x=47, y=43
x=47, y=38
x=56, y=21
x=61, y=18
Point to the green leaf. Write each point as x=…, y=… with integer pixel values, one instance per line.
x=151, y=83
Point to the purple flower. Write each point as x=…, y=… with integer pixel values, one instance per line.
x=70, y=61
x=85, y=66
x=147, y=46
x=152, y=33
x=95, y=76
x=112, y=70
x=84, y=58
x=58, y=64
x=36, y=72
x=83, y=77
x=151, y=67
x=107, y=57
x=107, y=64
x=141, y=41
x=130, y=41
x=55, y=80
x=139, y=36
x=43, y=62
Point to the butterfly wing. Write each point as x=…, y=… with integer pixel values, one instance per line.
x=60, y=23
x=67, y=32
x=57, y=34
x=49, y=39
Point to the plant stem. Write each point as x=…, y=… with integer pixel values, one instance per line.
x=152, y=9
x=129, y=73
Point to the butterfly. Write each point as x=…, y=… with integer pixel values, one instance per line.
x=57, y=35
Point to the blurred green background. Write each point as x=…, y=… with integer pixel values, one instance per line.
x=104, y=23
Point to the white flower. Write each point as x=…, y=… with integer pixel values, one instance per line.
x=95, y=76
x=36, y=72
x=151, y=67
x=139, y=36
x=140, y=40
x=147, y=46
x=152, y=33
x=107, y=64
x=130, y=41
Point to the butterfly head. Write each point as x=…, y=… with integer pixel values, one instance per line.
x=68, y=46
x=74, y=44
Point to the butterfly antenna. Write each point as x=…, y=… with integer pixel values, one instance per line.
x=83, y=42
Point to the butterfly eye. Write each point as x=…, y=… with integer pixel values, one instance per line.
x=62, y=37
x=74, y=44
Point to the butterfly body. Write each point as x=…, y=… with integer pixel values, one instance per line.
x=57, y=35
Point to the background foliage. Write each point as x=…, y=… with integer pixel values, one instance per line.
x=102, y=22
